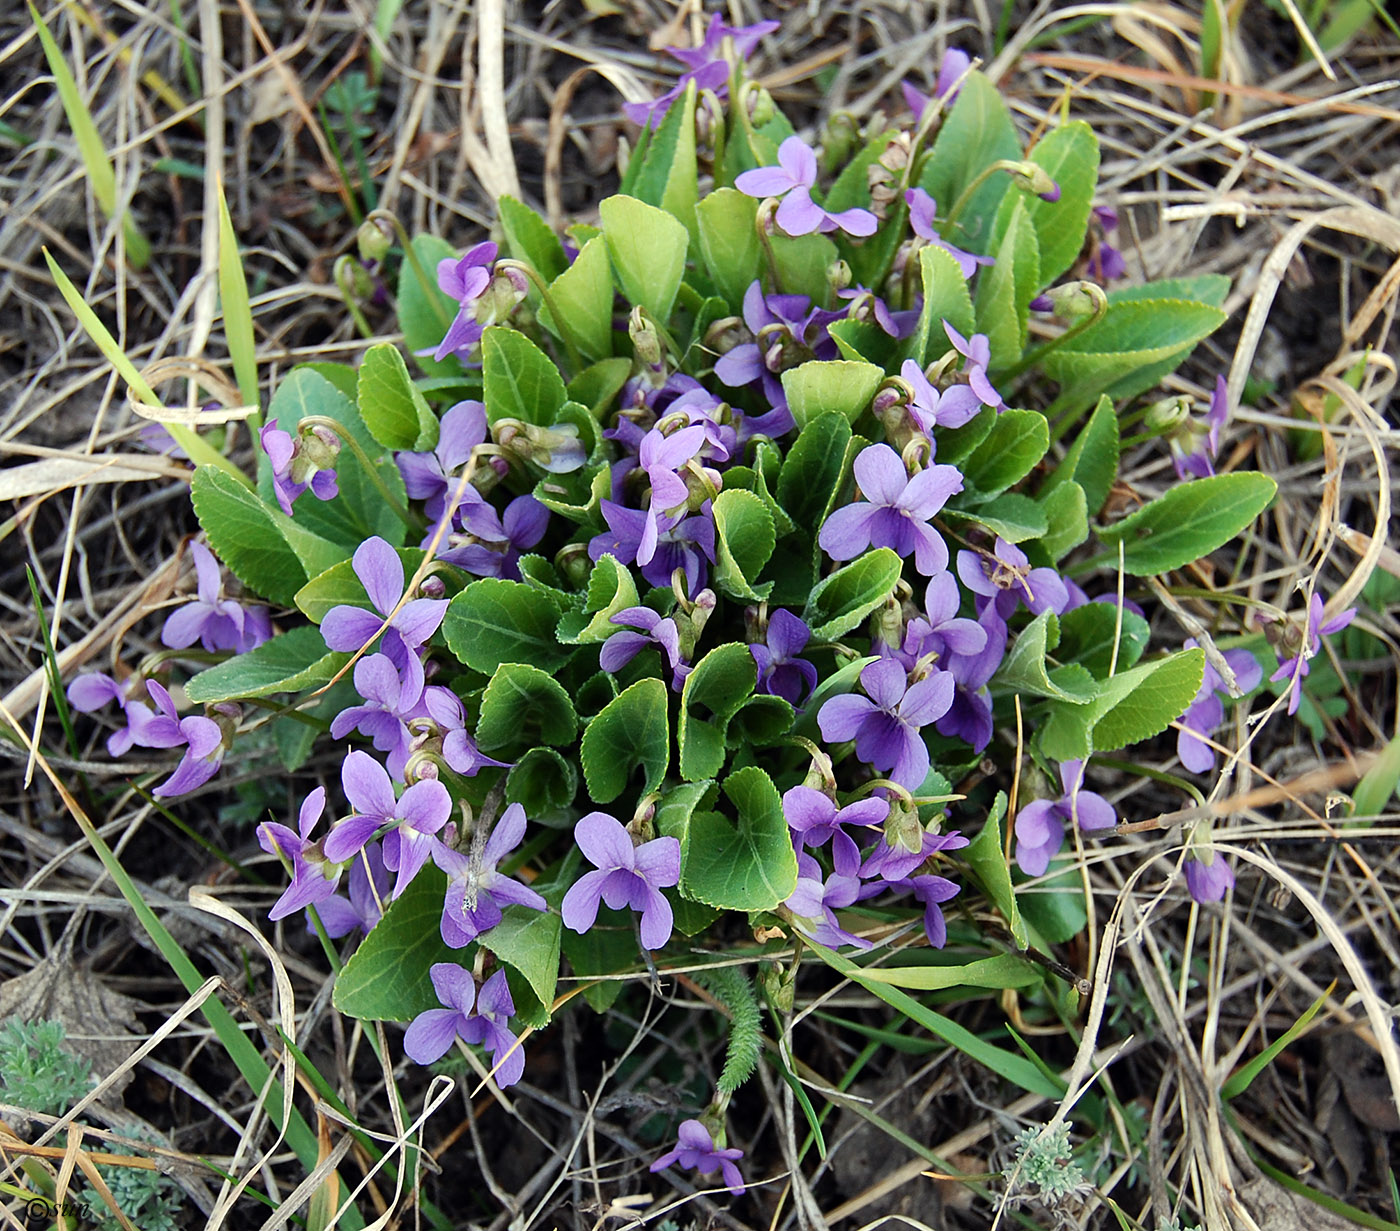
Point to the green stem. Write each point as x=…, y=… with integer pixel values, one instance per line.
x=1094, y=292
x=430, y=287
x=341, y=270
x=566, y=330
x=370, y=469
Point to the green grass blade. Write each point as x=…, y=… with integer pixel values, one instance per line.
x=1239, y=1082
x=1378, y=784
x=1014, y=1068
x=60, y=698
x=99, y=169
x=238, y=312
x=200, y=451
x=1334, y=1206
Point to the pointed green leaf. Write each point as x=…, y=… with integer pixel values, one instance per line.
x=425, y=312
x=729, y=243
x=832, y=386
x=1024, y=673
x=528, y=941
x=1070, y=154
x=668, y=176
x=1005, y=289
x=647, y=247
x=813, y=470
x=291, y=661
x=584, y=294
x=713, y=693
x=744, y=540
x=842, y=600
x=529, y=238
x=1066, y=519
x=1017, y=441
x=1088, y=635
x=610, y=590
x=946, y=298
x=238, y=313
x=1092, y=460
x=986, y=856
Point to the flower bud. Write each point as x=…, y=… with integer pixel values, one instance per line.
x=432, y=586
x=838, y=275
x=760, y=104
x=374, y=239
x=779, y=989
x=573, y=564
x=506, y=289
x=838, y=141
x=727, y=333
x=1166, y=417
x=903, y=830
x=1030, y=177
x=709, y=120
x=887, y=625
x=316, y=448
x=1073, y=300
x=646, y=342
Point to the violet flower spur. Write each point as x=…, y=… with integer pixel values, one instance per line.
x=1106, y=263
x=432, y=477
x=314, y=878
x=969, y=717
x=814, y=902
x=922, y=212
x=380, y=571
x=1004, y=580
x=814, y=818
x=1040, y=825
x=1206, y=712
x=622, y=647
x=780, y=672
x=1208, y=881
x=202, y=738
x=895, y=511
x=713, y=75
x=627, y=875
x=476, y=892
x=696, y=1149
x=886, y=723
x=413, y=819
x=1202, y=436
x=792, y=180
x=216, y=623
x=897, y=862
x=1305, y=645
x=368, y=889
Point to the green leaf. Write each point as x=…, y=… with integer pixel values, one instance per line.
x=544, y=784
x=1200, y=288
x=1378, y=783
x=1013, y=516
x=1014, y=1068
x=1066, y=519
x=976, y=133
x=802, y=263
x=1243, y=1078
x=529, y=238
x=842, y=600
x=575, y=495
x=1092, y=461
x=744, y=540
x=1017, y=441
x=584, y=294
x=524, y=705
x=528, y=941
x=1005, y=290
x=1189, y=521
x=668, y=175
x=957, y=443
x=289, y=662
x=610, y=590
x=812, y=471
x=1087, y=636
x=986, y=856
x=247, y=536
x=831, y=386
x=1130, y=349
x=608, y=947
x=394, y=412
x=1023, y=672
x=359, y=511
x=1132, y=705
x=647, y=247
x=1070, y=153
x=597, y=385
x=843, y=680
x=745, y=864
x=386, y=978
x=237, y=312
x=1003, y=971
x=632, y=730
x=729, y=242
x=338, y=585
x=1054, y=909
x=520, y=381
x=426, y=312
x=494, y=621
x=851, y=189
x=946, y=298
x=713, y=693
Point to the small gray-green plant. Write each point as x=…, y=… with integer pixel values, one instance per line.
x=148, y=1199
x=1045, y=1161
x=36, y=1071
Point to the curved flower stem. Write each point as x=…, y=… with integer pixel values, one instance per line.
x=566, y=331
x=767, y=208
x=1008, y=165
x=370, y=468
x=429, y=285
x=341, y=272
x=1100, y=298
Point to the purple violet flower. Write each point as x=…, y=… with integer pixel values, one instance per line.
x=922, y=211
x=886, y=726
x=682, y=542
x=91, y=692
x=369, y=892
x=787, y=331
x=1203, y=437
x=951, y=70
x=970, y=716
x=1106, y=262
x=314, y=877
x=815, y=820
x=898, y=862
x=866, y=305
x=932, y=891
x=1005, y=579
x=1206, y=712
x=941, y=631
x=465, y=279
x=432, y=477
x=815, y=901
x=389, y=701
x=1306, y=647
x=281, y=451
x=696, y=1149
x=792, y=180
x=712, y=46
x=1040, y=825
x=432, y=1033
x=216, y=623
x=930, y=408
x=626, y=875
x=1208, y=881
x=492, y=544
x=977, y=354
x=380, y=571
x=895, y=511
x=414, y=818
x=780, y=672
x=713, y=75
x=622, y=647
x=202, y=739
x=661, y=456
x=476, y=895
